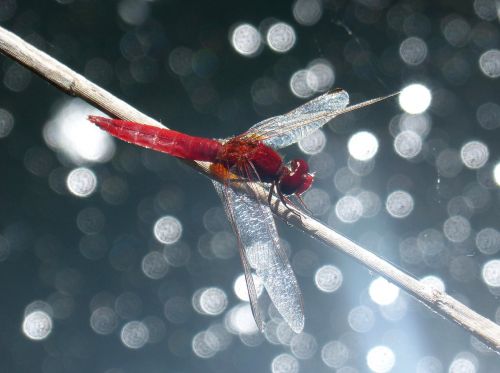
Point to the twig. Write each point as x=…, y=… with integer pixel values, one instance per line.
x=76, y=85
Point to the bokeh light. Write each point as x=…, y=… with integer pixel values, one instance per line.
x=361, y=319
x=104, y=320
x=307, y=12
x=37, y=325
x=413, y=51
x=134, y=334
x=303, y=346
x=399, y=204
x=489, y=63
x=474, y=154
x=491, y=273
x=415, y=98
x=6, y=123
x=281, y=37
x=380, y=359
x=363, y=146
x=81, y=182
x=334, y=354
x=168, y=230
x=240, y=287
x=245, y=40
x=328, y=278
x=69, y=132
x=382, y=291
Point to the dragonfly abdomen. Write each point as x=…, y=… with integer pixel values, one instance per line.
x=161, y=139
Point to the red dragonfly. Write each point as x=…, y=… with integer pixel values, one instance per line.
x=249, y=158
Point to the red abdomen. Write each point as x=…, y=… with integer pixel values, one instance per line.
x=161, y=139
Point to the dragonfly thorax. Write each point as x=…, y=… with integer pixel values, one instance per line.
x=251, y=159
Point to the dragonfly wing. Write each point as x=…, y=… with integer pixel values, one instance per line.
x=261, y=252
x=284, y=130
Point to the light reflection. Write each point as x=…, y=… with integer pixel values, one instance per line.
x=82, y=182
x=415, y=98
x=239, y=320
x=456, y=30
x=462, y=365
x=349, y=209
x=180, y=61
x=134, y=334
x=281, y=37
x=313, y=143
x=177, y=310
x=488, y=115
x=205, y=345
x=457, y=228
x=37, y=325
x=474, y=154
x=245, y=40
x=285, y=363
x=320, y=75
x=413, y=51
x=487, y=241
x=429, y=364
x=133, y=12
x=154, y=265
x=408, y=144
x=361, y=319
x=328, y=278
x=168, y=230
x=16, y=77
x=69, y=131
x=486, y=9
x=299, y=84
x=489, y=63
x=433, y=282
x=240, y=287
x=303, y=346
x=6, y=123
x=363, y=146
x=491, y=273
x=156, y=327
x=335, y=354
x=380, y=359
x=382, y=291
x=213, y=301
x=104, y=320
x=399, y=204
x=307, y=12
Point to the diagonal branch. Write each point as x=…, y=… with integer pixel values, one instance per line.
x=76, y=85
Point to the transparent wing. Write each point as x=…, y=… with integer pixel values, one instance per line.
x=261, y=252
x=284, y=130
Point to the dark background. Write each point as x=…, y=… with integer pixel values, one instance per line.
x=41, y=239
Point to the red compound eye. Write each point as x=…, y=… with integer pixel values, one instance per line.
x=296, y=179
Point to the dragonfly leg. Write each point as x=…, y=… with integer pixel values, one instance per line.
x=287, y=203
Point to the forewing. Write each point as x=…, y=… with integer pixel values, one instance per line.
x=260, y=251
x=284, y=130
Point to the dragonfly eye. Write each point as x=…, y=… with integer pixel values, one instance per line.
x=306, y=184
x=296, y=179
x=299, y=166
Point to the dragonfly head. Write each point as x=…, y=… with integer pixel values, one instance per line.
x=295, y=178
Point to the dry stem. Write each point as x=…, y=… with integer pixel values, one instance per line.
x=76, y=85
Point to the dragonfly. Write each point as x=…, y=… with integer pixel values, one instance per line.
x=252, y=159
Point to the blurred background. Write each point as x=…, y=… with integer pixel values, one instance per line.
x=118, y=259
